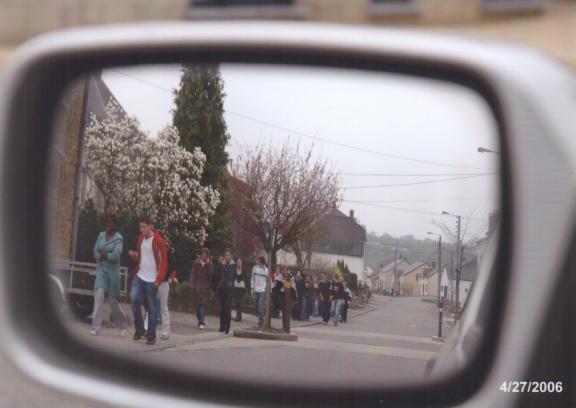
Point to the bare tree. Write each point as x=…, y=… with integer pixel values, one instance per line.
x=303, y=246
x=284, y=193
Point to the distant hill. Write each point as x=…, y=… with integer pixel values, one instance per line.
x=380, y=249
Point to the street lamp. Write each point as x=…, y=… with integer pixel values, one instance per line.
x=459, y=269
x=484, y=150
x=439, y=272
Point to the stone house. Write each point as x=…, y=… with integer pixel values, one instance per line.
x=408, y=278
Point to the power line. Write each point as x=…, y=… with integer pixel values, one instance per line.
x=407, y=209
x=171, y=91
x=416, y=182
x=285, y=129
x=421, y=201
x=360, y=149
x=413, y=175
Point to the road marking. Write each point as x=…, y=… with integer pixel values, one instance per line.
x=313, y=344
x=366, y=335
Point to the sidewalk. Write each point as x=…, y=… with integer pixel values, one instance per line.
x=184, y=328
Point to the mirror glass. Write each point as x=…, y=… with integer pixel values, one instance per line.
x=275, y=224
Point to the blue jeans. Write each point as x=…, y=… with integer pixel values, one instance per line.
x=142, y=290
x=259, y=298
x=201, y=313
x=316, y=308
x=308, y=306
x=336, y=309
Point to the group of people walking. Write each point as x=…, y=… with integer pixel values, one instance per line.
x=154, y=270
x=329, y=299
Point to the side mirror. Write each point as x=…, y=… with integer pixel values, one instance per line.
x=47, y=70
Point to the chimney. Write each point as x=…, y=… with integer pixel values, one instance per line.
x=351, y=213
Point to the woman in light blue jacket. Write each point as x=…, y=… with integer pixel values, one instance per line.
x=107, y=252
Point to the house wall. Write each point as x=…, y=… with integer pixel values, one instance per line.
x=355, y=264
x=550, y=28
x=64, y=171
x=408, y=282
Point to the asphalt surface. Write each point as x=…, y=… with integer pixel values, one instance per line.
x=386, y=342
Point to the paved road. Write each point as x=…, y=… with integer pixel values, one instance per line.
x=391, y=343
x=387, y=341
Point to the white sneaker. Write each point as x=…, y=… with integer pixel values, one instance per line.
x=123, y=333
x=94, y=332
x=201, y=327
x=165, y=336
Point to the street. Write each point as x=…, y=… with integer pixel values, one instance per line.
x=387, y=341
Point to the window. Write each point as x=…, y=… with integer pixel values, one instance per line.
x=394, y=8
x=239, y=3
x=512, y=6
x=246, y=9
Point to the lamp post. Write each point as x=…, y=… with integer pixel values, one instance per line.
x=484, y=150
x=440, y=302
x=459, y=269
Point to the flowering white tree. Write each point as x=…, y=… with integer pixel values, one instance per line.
x=175, y=198
x=109, y=154
x=155, y=176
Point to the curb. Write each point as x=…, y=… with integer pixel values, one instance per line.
x=264, y=335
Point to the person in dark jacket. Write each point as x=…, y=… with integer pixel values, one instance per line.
x=239, y=289
x=337, y=296
x=277, y=285
x=300, y=286
x=199, y=282
x=325, y=298
x=347, y=300
x=226, y=290
x=308, y=295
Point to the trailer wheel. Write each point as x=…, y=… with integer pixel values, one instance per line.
x=81, y=305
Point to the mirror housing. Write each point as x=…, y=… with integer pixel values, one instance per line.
x=38, y=73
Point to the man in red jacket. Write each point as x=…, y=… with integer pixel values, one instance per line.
x=151, y=260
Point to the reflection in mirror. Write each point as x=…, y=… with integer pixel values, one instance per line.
x=281, y=224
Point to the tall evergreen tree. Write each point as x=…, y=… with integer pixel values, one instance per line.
x=199, y=118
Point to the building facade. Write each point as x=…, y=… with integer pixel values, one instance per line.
x=342, y=238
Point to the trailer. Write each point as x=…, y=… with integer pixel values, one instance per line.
x=73, y=284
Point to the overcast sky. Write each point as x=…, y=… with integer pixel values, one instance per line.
x=366, y=124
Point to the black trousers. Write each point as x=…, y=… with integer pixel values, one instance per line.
x=225, y=297
x=325, y=310
x=344, y=313
x=238, y=296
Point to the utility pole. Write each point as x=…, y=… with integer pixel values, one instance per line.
x=394, y=275
x=440, y=305
x=458, y=272
x=439, y=275
x=267, y=317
